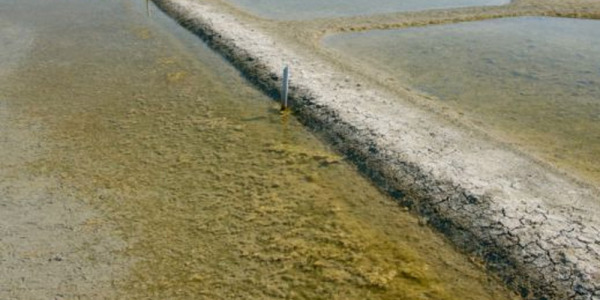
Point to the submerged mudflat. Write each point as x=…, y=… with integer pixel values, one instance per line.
x=163, y=174
x=536, y=88
x=311, y=9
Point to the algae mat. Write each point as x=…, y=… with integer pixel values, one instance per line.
x=215, y=194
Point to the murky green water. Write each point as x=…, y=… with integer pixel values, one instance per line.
x=217, y=194
x=311, y=9
x=533, y=81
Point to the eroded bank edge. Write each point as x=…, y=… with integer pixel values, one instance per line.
x=468, y=219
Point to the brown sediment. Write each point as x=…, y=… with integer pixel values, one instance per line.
x=532, y=224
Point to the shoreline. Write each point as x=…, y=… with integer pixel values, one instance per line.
x=533, y=227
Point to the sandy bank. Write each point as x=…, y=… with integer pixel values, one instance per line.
x=536, y=228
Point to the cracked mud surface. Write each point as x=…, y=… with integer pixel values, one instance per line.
x=533, y=225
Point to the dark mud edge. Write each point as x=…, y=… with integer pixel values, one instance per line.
x=536, y=268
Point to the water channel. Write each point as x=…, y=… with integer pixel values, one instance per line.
x=216, y=194
x=532, y=81
x=311, y=9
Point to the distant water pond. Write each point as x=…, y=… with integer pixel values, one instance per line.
x=310, y=9
x=534, y=81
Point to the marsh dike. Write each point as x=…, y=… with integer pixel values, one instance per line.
x=535, y=228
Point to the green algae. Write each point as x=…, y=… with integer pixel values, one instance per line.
x=217, y=194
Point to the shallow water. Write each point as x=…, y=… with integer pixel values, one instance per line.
x=537, y=88
x=217, y=194
x=311, y=9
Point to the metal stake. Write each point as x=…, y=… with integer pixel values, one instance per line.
x=284, y=88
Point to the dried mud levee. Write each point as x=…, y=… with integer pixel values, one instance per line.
x=534, y=227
